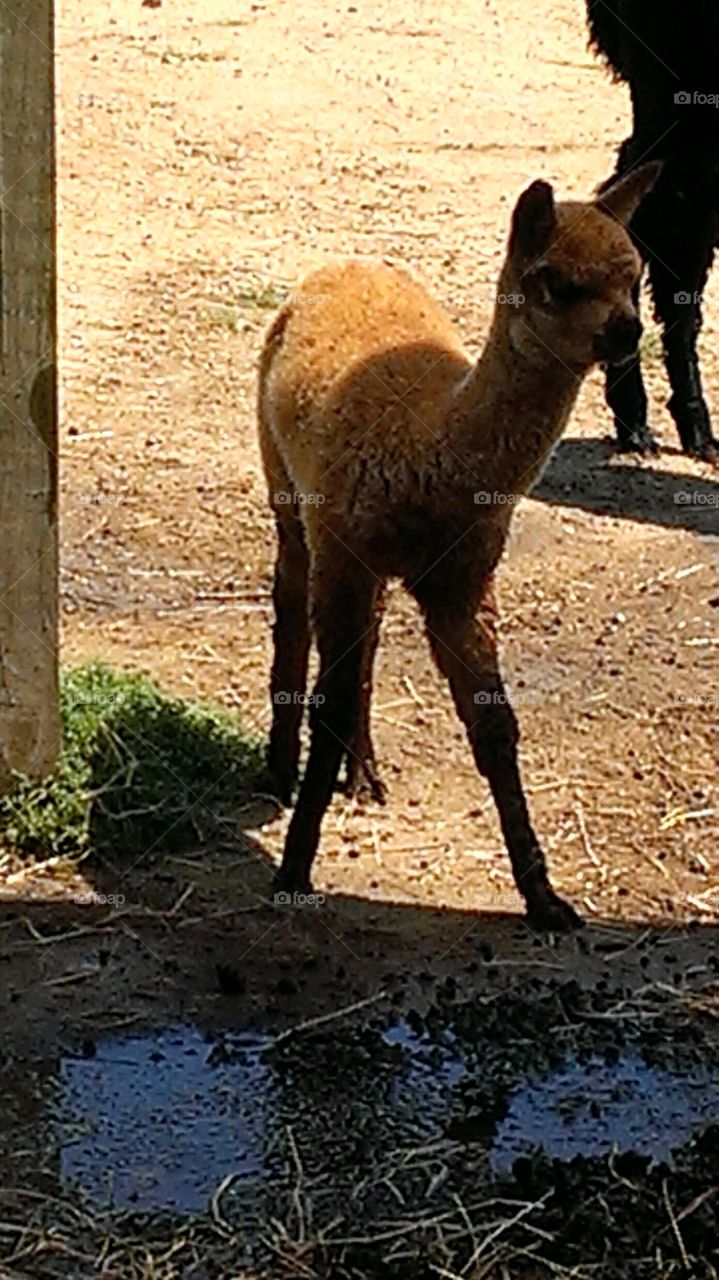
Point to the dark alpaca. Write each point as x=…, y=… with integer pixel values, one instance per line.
x=667, y=53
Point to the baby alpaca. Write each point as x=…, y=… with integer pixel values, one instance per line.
x=385, y=447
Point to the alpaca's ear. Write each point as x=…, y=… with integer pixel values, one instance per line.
x=534, y=221
x=624, y=197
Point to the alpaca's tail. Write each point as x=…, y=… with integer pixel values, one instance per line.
x=273, y=342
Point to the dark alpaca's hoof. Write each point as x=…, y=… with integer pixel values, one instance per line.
x=363, y=782
x=284, y=789
x=705, y=450
x=282, y=780
x=639, y=439
x=548, y=913
x=286, y=884
x=695, y=428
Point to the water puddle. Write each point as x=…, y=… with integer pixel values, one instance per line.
x=432, y=1067
x=151, y=1122
x=161, y=1120
x=590, y=1108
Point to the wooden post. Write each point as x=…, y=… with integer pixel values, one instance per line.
x=29, y=720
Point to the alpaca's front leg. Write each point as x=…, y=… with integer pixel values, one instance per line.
x=627, y=400
x=464, y=647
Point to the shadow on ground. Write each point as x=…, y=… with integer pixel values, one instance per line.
x=351, y=1071
x=579, y=474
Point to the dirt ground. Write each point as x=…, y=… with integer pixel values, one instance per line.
x=209, y=155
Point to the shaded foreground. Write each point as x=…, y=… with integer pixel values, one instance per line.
x=560, y=1131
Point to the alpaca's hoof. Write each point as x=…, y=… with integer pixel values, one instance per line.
x=286, y=884
x=695, y=428
x=638, y=439
x=284, y=789
x=363, y=781
x=283, y=781
x=551, y=914
x=705, y=450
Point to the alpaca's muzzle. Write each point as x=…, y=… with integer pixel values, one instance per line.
x=618, y=341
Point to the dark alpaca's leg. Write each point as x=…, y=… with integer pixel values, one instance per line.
x=291, y=651
x=464, y=648
x=627, y=400
x=675, y=229
x=678, y=276
x=342, y=612
x=362, y=773
x=624, y=386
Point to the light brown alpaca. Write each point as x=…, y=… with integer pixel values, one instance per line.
x=378, y=433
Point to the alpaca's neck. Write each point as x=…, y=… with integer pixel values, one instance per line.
x=511, y=408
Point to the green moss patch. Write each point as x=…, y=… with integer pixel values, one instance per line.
x=139, y=771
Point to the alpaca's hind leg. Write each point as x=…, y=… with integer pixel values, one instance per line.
x=627, y=400
x=678, y=277
x=291, y=650
x=464, y=647
x=342, y=612
x=361, y=763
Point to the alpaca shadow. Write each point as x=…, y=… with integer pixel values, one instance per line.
x=579, y=474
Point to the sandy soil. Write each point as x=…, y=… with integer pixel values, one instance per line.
x=209, y=156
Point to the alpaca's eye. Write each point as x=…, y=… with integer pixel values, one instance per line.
x=567, y=291
x=560, y=290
